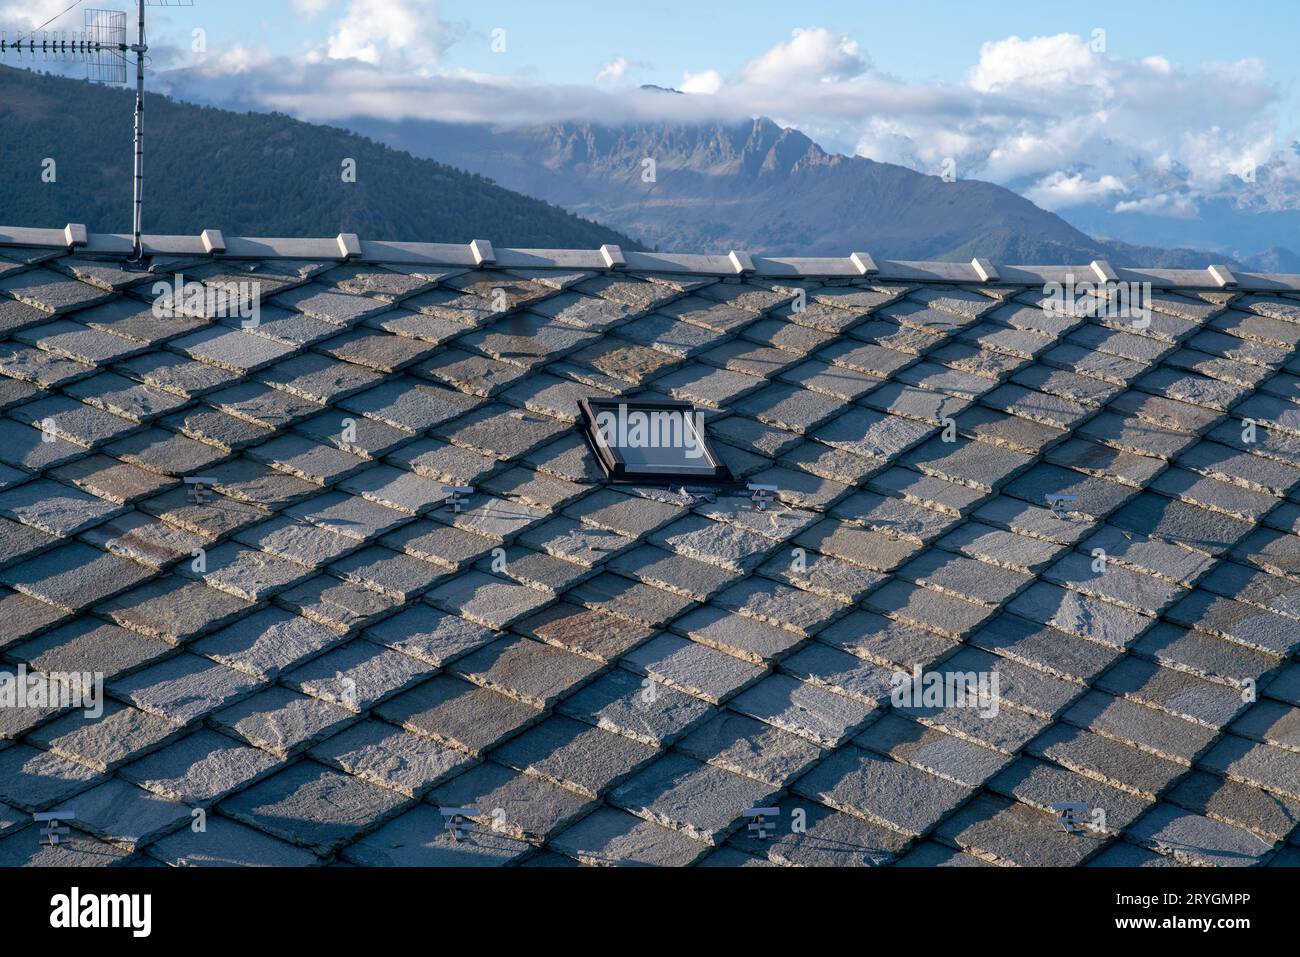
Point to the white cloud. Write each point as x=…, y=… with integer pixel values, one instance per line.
x=1172, y=205
x=618, y=69
x=1041, y=63
x=1050, y=117
x=310, y=8
x=400, y=34
x=30, y=14
x=1061, y=190
x=707, y=82
x=814, y=54
x=615, y=69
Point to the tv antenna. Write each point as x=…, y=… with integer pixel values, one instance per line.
x=104, y=50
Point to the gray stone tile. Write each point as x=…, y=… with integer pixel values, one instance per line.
x=77, y=850
x=90, y=645
x=75, y=576
x=165, y=453
x=860, y=546
x=228, y=844
x=397, y=575
x=185, y=688
x=927, y=608
x=701, y=800
x=34, y=780
x=1272, y=816
x=283, y=722
x=521, y=806
x=611, y=837
x=358, y=675
x=823, y=717
x=823, y=838
x=144, y=540
x=841, y=672
x=792, y=609
x=200, y=769
x=1193, y=839
x=431, y=636
x=531, y=671
x=933, y=854
x=751, y=748
x=26, y=617
x=459, y=714
x=490, y=601
x=625, y=598
x=1079, y=614
x=1004, y=832
x=1204, y=655
x=693, y=668
x=748, y=638
x=1261, y=765
x=314, y=807
x=349, y=515
x=927, y=749
x=575, y=755
x=1041, y=785
x=389, y=757
x=119, y=735
x=75, y=421
x=40, y=367
x=296, y=540
x=883, y=791
x=585, y=631
x=248, y=573
x=123, y=397
x=1208, y=703
x=887, y=642
x=20, y=542
x=127, y=815
x=77, y=342
x=1106, y=760
x=419, y=838
x=232, y=349
x=343, y=606
x=406, y=403
x=636, y=707
x=173, y=609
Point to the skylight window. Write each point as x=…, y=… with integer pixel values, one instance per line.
x=650, y=441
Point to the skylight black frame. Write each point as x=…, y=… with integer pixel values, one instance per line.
x=617, y=469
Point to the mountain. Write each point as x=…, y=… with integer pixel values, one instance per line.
x=1255, y=219
x=250, y=174
x=1276, y=260
x=763, y=188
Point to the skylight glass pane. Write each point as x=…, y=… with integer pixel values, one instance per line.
x=650, y=441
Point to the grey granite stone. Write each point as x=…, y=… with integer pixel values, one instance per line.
x=389, y=757
x=459, y=714
x=314, y=806
x=823, y=717
x=283, y=722
x=226, y=843
x=611, y=837
x=200, y=769
x=185, y=688
x=575, y=755
x=127, y=815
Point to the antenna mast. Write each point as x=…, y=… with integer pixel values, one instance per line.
x=137, y=192
x=104, y=50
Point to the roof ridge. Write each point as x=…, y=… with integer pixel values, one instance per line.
x=480, y=253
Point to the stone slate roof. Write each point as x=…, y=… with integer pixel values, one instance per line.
x=646, y=663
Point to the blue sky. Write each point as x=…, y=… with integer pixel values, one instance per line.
x=1173, y=101
x=567, y=41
